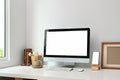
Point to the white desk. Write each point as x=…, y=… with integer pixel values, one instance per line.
x=43, y=74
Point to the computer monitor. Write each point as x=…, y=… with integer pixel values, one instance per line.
x=67, y=45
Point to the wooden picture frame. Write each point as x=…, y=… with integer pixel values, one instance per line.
x=110, y=55
x=27, y=58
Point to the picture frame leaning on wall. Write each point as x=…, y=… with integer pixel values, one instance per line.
x=110, y=57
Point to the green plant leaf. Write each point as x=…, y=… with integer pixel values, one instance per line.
x=1, y=52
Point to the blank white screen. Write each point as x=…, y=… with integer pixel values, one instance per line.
x=69, y=43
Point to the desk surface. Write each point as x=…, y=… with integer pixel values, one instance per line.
x=43, y=74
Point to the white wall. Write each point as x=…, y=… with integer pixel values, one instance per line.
x=17, y=32
x=102, y=16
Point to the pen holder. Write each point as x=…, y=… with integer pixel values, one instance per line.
x=37, y=61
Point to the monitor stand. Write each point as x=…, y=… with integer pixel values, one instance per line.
x=72, y=67
x=68, y=65
x=60, y=66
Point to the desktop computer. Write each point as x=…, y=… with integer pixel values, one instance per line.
x=67, y=45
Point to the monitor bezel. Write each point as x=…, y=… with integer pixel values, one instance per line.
x=68, y=29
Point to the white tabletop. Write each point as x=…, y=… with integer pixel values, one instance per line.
x=44, y=74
